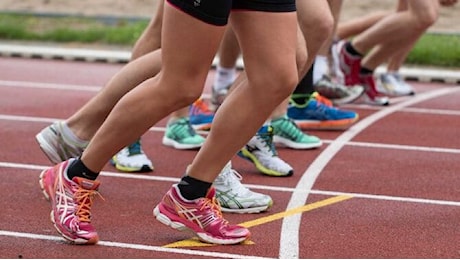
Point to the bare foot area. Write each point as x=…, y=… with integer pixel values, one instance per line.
x=449, y=20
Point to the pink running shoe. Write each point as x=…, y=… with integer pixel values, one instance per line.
x=202, y=216
x=371, y=95
x=71, y=202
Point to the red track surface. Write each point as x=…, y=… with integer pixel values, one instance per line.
x=386, y=188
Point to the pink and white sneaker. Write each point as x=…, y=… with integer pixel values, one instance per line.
x=371, y=94
x=202, y=216
x=71, y=202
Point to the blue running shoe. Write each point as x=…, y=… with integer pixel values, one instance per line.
x=200, y=115
x=318, y=113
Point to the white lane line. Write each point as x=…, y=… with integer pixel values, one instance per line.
x=392, y=109
x=163, y=129
x=123, y=56
x=289, y=240
x=144, y=177
x=58, y=86
x=133, y=246
x=33, y=119
x=41, y=85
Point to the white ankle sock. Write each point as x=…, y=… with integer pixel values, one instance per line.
x=224, y=77
x=321, y=68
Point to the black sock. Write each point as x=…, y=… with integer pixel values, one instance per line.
x=191, y=188
x=350, y=49
x=365, y=71
x=304, y=88
x=78, y=169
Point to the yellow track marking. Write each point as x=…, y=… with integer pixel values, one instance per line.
x=195, y=242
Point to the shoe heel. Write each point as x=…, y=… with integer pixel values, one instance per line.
x=167, y=221
x=47, y=149
x=42, y=185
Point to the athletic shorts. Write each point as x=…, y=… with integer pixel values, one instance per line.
x=216, y=12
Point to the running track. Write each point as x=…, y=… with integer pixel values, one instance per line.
x=386, y=188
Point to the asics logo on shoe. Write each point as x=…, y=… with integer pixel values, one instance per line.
x=86, y=184
x=189, y=214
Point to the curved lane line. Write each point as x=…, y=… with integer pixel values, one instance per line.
x=289, y=240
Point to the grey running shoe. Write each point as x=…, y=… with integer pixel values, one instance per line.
x=56, y=146
x=336, y=92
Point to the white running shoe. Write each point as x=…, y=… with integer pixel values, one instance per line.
x=393, y=84
x=132, y=159
x=236, y=198
x=262, y=152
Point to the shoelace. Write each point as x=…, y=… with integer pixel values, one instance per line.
x=183, y=128
x=234, y=179
x=321, y=99
x=267, y=139
x=291, y=128
x=214, y=205
x=84, y=199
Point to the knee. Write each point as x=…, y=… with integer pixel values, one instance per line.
x=424, y=20
x=181, y=93
x=185, y=95
x=280, y=84
x=320, y=27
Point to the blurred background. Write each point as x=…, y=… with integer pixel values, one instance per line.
x=116, y=24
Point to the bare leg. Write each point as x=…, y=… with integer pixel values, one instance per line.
x=178, y=84
x=388, y=34
x=261, y=92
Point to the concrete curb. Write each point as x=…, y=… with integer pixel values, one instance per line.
x=117, y=56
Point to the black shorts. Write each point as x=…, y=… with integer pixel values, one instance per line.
x=216, y=12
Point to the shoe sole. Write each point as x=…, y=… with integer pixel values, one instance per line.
x=171, y=143
x=76, y=241
x=203, y=236
x=327, y=125
x=293, y=145
x=48, y=149
x=202, y=127
x=253, y=210
x=41, y=181
x=369, y=101
x=144, y=168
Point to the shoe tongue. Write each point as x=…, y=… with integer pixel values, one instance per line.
x=86, y=184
